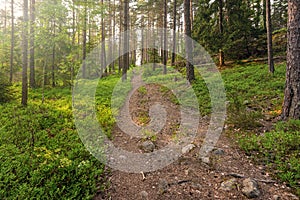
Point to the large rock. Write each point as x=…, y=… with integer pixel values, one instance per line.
x=250, y=188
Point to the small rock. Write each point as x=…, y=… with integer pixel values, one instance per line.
x=205, y=160
x=250, y=188
x=246, y=102
x=187, y=148
x=163, y=186
x=290, y=196
x=144, y=195
x=276, y=197
x=148, y=146
x=188, y=172
x=219, y=152
x=228, y=185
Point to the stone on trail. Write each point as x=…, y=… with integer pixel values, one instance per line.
x=144, y=195
x=228, y=185
x=187, y=148
x=219, y=152
x=250, y=188
x=148, y=146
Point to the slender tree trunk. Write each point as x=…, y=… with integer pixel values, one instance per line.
x=53, y=60
x=174, y=32
x=264, y=15
x=103, y=51
x=25, y=53
x=109, y=56
x=165, y=52
x=188, y=42
x=269, y=37
x=291, y=105
x=120, y=37
x=12, y=42
x=5, y=17
x=114, y=35
x=32, y=35
x=143, y=41
x=73, y=23
x=84, y=40
x=126, y=40
x=221, y=53
x=191, y=13
x=154, y=43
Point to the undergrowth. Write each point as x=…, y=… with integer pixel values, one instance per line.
x=41, y=154
x=254, y=95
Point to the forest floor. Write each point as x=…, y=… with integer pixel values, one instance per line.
x=223, y=176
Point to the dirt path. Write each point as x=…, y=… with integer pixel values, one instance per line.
x=221, y=177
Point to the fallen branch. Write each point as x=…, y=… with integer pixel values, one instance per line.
x=235, y=175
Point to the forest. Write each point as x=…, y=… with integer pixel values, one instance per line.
x=146, y=99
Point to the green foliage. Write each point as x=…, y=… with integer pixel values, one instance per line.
x=253, y=83
x=253, y=93
x=142, y=90
x=280, y=16
x=279, y=149
x=148, y=135
x=238, y=32
x=5, y=90
x=41, y=154
x=242, y=117
x=105, y=91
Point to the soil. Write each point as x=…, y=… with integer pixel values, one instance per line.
x=188, y=177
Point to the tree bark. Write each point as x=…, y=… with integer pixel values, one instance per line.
x=25, y=53
x=142, y=42
x=12, y=42
x=291, y=105
x=114, y=36
x=103, y=51
x=188, y=42
x=32, y=35
x=120, y=37
x=264, y=15
x=53, y=56
x=165, y=52
x=126, y=40
x=269, y=37
x=174, y=32
x=84, y=40
x=221, y=53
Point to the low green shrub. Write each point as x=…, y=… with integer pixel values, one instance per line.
x=279, y=149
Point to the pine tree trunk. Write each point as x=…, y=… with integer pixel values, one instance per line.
x=25, y=53
x=143, y=41
x=221, y=53
x=126, y=40
x=264, y=15
x=114, y=36
x=165, y=52
x=291, y=105
x=32, y=35
x=53, y=55
x=12, y=42
x=174, y=33
x=269, y=37
x=188, y=42
x=84, y=40
x=120, y=38
x=103, y=51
